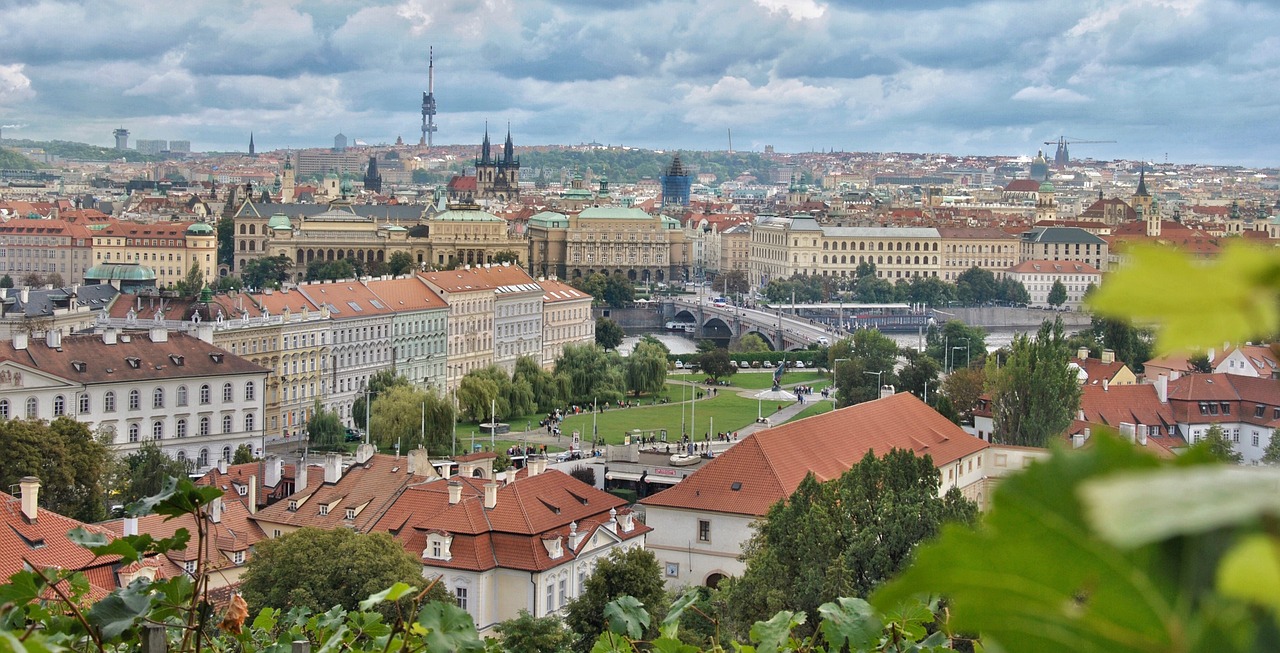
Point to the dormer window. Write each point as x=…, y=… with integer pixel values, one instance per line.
x=293, y=505
x=438, y=547
x=135, y=363
x=215, y=356
x=350, y=514
x=177, y=359
x=324, y=509
x=238, y=557
x=555, y=547
x=79, y=366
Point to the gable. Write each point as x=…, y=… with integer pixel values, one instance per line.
x=16, y=377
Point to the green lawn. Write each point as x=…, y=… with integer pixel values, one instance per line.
x=728, y=411
x=756, y=380
x=817, y=408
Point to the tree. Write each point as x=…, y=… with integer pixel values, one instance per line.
x=397, y=418
x=54, y=279
x=529, y=634
x=506, y=256
x=751, y=343
x=1057, y=294
x=226, y=233
x=324, y=429
x=1034, y=395
x=1199, y=363
x=583, y=473
x=843, y=537
x=145, y=472
x=920, y=372
x=243, y=454
x=867, y=269
x=477, y=397
x=1132, y=345
x=32, y=279
x=318, y=569
x=618, y=291
x=975, y=286
x=646, y=369
x=6, y=281
x=1216, y=443
x=325, y=270
x=546, y=393
x=930, y=291
x=862, y=363
x=71, y=464
x=608, y=334
x=873, y=290
x=400, y=263
x=1271, y=455
x=587, y=373
x=378, y=382
x=733, y=282
x=954, y=333
x=625, y=572
x=266, y=272
x=963, y=388
x=716, y=363
x=192, y=283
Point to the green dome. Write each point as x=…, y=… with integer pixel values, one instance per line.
x=200, y=229
x=279, y=222
x=120, y=272
x=1046, y=187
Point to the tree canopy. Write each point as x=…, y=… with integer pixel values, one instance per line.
x=625, y=572
x=843, y=537
x=266, y=272
x=72, y=466
x=862, y=363
x=1057, y=294
x=608, y=333
x=324, y=429
x=1034, y=393
x=409, y=417
x=646, y=368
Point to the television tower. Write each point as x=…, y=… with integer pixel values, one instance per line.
x=429, y=101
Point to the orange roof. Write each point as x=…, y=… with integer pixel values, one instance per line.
x=278, y=300
x=407, y=294
x=768, y=465
x=559, y=291
x=347, y=299
x=367, y=488
x=479, y=278
x=44, y=544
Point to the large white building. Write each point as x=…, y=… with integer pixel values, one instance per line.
x=782, y=247
x=360, y=340
x=1039, y=276
x=197, y=401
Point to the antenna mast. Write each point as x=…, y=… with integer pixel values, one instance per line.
x=429, y=101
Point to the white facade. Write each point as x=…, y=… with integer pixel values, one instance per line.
x=517, y=324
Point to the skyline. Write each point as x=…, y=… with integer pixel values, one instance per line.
x=1191, y=80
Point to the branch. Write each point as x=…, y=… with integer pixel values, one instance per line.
x=75, y=609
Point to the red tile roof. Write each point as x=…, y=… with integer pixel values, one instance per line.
x=44, y=544
x=768, y=465
x=87, y=359
x=478, y=278
x=408, y=294
x=368, y=488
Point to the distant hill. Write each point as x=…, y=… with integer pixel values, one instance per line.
x=11, y=160
x=82, y=151
x=632, y=165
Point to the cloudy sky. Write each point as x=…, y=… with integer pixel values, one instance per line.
x=1186, y=80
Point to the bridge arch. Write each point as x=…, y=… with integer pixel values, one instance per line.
x=768, y=340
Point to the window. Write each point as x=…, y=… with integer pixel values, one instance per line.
x=704, y=530
x=109, y=402
x=182, y=395
x=249, y=390
x=227, y=395
x=551, y=597
x=190, y=567
x=204, y=426
x=157, y=430
x=135, y=400
x=205, y=395
x=563, y=587
x=226, y=423
x=437, y=549
x=83, y=402
x=248, y=422
x=32, y=407
x=157, y=398
x=181, y=428
x=4, y=409
x=133, y=432
x=1226, y=408
x=238, y=557
x=460, y=594
x=1255, y=439
x=59, y=406
x=226, y=453
x=1259, y=410
x=203, y=459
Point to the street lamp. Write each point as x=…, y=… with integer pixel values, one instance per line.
x=966, y=355
x=877, y=375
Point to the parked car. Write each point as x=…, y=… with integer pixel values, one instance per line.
x=353, y=435
x=679, y=365
x=800, y=365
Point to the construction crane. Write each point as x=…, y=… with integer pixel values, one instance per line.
x=1062, y=157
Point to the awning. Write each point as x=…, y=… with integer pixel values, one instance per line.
x=669, y=480
x=621, y=476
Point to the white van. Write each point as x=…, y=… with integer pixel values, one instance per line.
x=824, y=341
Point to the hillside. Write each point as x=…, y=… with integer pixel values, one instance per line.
x=632, y=165
x=10, y=160
x=82, y=151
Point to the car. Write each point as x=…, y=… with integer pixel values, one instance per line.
x=755, y=364
x=800, y=365
x=824, y=341
x=744, y=365
x=353, y=435
x=679, y=365
x=734, y=364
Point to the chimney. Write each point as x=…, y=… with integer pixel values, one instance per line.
x=886, y=390
x=575, y=537
x=159, y=334
x=490, y=495
x=364, y=451
x=53, y=338
x=332, y=468
x=1142, y=434
x=1077, y=440
x=274, y=469
x=29, y=486
x=625, y=520
x=1162, y=388
x=24, y=295
x=205, y=333
x=19, y=341
x=253, y=494
x=109, y=337
x=222, y=465
x=300, y=475
x=420, y=463
x=510, y=476
x=455, y=492
x=1082, y=353
x=1108, y=356
x=1127, y=431
x=1106, y=385
x=531, y=464
x=130, y=526
x=1080, y=414
x=215, y=511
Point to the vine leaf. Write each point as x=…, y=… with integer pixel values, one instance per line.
x=853, y=621
x=449, y=628
x=627, y=616
x=772, y=636
x=1251, y=571
x=121, y=609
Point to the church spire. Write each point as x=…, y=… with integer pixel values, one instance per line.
x=251, y=152
x=508, y=149
x=1142, y=183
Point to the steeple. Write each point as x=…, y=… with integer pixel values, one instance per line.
x=484, y=147
x=508, y=149
x=1142, y=184
x=251, y=152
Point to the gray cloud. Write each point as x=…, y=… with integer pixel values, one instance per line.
x=1195, y=78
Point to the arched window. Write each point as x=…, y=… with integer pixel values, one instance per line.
x=181, y=427
x=206, y=395
x=227, y=395
x=133, y=432
x=84, y=403
x=59, y=406
x=226, y=423
x=844, y=259
x=182, y=455
x=204, y=426
x=203, y=459
x=880, y=246
x=32, y=407
x=157, y=398
x=109, y=402
x=157, y=430
x=182, y=395
x=226, y=453
x=135, y=400
x=4, y=409
x=250, y=391
x=248, y=422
